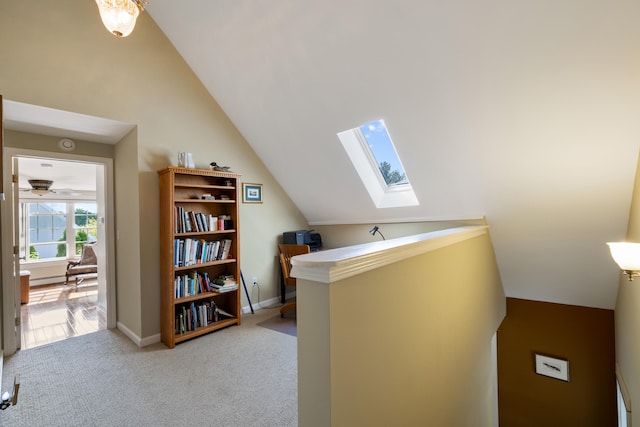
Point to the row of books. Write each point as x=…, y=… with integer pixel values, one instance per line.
x=188, y=252
x=198, y=315
x=198, y=222
x=196, y=283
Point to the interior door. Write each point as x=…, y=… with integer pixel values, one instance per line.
x=102, y=240
x=15, y=229
x=10, y=261
x=1, y=203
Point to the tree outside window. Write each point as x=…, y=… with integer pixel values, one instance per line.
x=48, y=224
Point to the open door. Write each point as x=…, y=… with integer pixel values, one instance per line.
x=102, y=241
x=10, y=263
x=1, y=203
x=6, y=399
x=14, y=204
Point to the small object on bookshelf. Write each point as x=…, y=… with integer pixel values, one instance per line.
x=185, y=160
x=198, y=247
x=216, y=167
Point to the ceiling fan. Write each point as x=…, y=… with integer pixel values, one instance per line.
x=42, y=187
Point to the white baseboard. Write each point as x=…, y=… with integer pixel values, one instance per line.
x=140, y=342
x=129, y=333
x=268, y=303
x=143, y=342
x=153, y=339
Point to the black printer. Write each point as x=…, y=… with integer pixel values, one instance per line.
x=303, y=237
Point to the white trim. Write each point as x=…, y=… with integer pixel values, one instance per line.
x=268, y=303
x=22, y=117
x=107, y=164
x=337, y=264
x=140, y=342
x=129, y=333
x=478, y=217
x=623, y=389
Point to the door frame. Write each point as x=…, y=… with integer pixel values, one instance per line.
x=7, y=222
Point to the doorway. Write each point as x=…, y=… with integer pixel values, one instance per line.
x=44, y=121
x=52, y=225
x=57, y=219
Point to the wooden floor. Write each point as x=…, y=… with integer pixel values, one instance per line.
x=57, y=312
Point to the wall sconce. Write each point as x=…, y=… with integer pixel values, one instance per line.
x=627, y=256
x=375, y=230
x=119, y=16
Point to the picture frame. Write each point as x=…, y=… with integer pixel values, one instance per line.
x=552, y=367
x=251, y=192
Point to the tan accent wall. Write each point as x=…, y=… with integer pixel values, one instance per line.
x=341, y=235
x=583, y=336
x=627, y=313
x=407, y=344
x=62, y=57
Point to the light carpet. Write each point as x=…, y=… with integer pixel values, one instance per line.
x=239, y=376
x=286, y=324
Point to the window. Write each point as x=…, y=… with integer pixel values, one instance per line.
x=374, y=156
x=56, y=230
x=384, y=152
x=85, y=224
x=47, y=225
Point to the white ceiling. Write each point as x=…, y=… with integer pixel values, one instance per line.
x=523, y=112
x=67, y=176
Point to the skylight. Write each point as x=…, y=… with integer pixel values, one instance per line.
x=384, y=152
x=374, y=156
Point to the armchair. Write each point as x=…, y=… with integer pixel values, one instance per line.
x=87, y=264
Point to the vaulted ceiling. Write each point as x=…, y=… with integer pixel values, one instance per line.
x=525, y=112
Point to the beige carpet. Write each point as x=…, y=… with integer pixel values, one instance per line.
x=239, y=376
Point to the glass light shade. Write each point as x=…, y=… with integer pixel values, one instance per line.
x=119, y=16
x=626, y=255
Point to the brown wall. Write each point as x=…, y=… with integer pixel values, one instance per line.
x=585, y=337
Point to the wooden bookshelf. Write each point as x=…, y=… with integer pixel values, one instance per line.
x=182, y=293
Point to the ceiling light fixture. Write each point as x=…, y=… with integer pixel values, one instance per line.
x=119, y=16
x=375, y=230
x=627, y=256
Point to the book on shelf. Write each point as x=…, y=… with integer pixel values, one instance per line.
x=193, y=222
x=188, y=252
x=186, y=285
x=191, y=317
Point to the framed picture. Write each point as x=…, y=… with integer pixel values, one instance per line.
x=552, y=367
x=251, y=193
